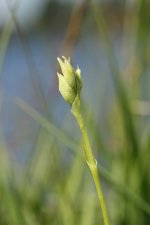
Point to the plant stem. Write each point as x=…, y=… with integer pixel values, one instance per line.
x=96, y=178
x=92, y=163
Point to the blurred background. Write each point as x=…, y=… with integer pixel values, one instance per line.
x=43, y=177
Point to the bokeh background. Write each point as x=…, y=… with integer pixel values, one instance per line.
x=43, y=177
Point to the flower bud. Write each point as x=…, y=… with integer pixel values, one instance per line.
x=70, y=82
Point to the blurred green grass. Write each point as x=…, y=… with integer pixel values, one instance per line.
x=54, y=186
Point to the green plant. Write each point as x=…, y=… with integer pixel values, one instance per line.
x=70, y=85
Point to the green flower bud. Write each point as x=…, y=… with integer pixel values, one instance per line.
x=70, y=82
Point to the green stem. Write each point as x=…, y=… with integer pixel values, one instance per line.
x=92, y=163
x=96, y=178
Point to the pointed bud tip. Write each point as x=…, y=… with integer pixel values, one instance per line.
x=58, y=74
x=59, y=59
